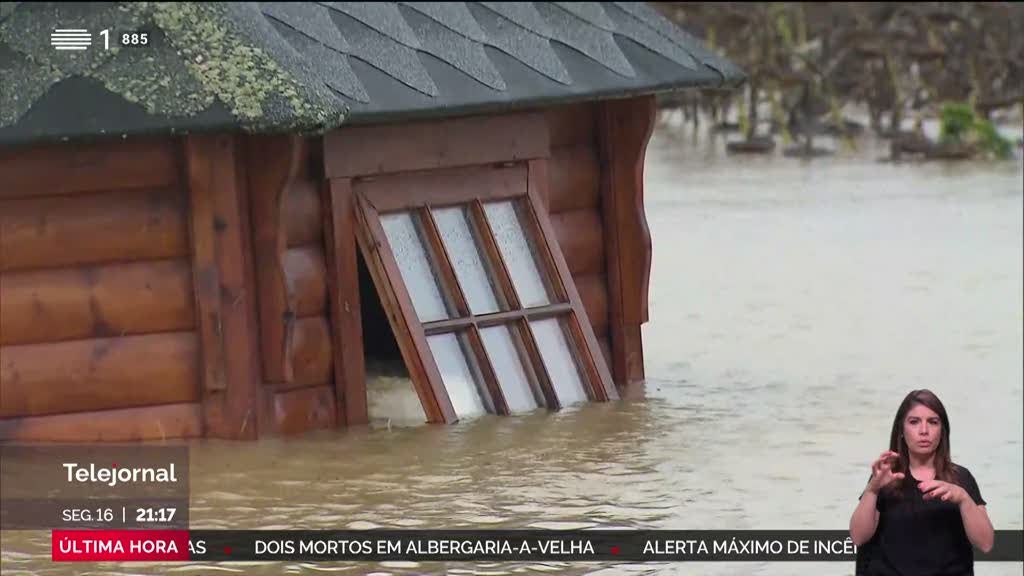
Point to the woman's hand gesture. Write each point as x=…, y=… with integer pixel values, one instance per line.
x=881, y=471
x=944, y=491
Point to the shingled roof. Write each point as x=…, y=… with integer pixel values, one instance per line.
x=309, y=66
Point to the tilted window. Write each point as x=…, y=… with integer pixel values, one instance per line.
x=478, y=292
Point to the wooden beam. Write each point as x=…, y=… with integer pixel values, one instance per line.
x=311, y=354
x=344, y=303
x=120, y=226
x=96, y=301
x=447, y=187
x=304, y=409
x=533, y=361
x=97, y=374
x=163, y=422
x=538, y=169
x=445, y=270
x=225, y=292
x=303, y=216
x=531, y=215
x=571, y=125
x=53, y=169
x=624, y=128
x=593, y=290
x=580, y=235
x=479, y=358
x=273, y=163
x=205, y=271
x=495, y=318
x=369, y=150
x=305, y=270
x=574, y=175
x=506, y=292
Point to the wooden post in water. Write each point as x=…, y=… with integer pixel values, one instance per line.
x=624, y=128
x=224, y=287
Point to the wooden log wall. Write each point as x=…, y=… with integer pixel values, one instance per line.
x=596, y=204
x=574, y=204
x=98, y=333
x=291, y=275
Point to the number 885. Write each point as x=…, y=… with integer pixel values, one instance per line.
x=134, y=38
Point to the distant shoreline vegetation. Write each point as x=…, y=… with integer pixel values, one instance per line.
x=961, y=64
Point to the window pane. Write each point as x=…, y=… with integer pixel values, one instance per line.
x=414, y=263
x=456, y=375
x=559, y=360
x=517, y=252
x=508, y=368
x=460, y=242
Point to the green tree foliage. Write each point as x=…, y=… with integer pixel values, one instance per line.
x=961, y=126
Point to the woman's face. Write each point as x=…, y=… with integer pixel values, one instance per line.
x=922, y=429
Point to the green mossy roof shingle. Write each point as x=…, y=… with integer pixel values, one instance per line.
x=307, y=67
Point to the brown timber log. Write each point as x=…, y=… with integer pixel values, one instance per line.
x=304, y=409
x=96, y=302
x=593, y=291
x=305, y=273
x=303, y=214
x=580, y=237
x=92, y=228
x=224, y=286
x=345, y=309
x=449, y=143
x=82, y=167
x=310, y=353
x=82, y=375
x=571, y=125
x=574, y=179
x=273, y=164
x=124, y=425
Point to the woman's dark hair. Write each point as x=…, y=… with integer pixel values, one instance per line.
x=944, y=469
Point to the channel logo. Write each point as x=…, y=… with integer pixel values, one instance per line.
x=70, y=39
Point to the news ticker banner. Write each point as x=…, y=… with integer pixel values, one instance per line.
x=126, y=503
x=476, y=545
x=86, y=486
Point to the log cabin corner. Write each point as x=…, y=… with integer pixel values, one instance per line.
x=207, y=231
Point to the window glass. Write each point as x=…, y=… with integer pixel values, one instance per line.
x=559, y=361
x=456, y=375
x=461, y=245
x=414, y=264
x=517, y=252
x=515, y=385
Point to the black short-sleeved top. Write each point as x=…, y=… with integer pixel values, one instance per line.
x=918, y=537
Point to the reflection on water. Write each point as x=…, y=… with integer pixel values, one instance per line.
x=792, y=306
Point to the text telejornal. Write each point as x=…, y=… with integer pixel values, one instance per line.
x=113, y=475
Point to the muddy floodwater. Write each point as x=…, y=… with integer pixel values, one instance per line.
x=792, y=306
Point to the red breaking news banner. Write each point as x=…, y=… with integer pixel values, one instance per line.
x=119, y=545
x=476, y=545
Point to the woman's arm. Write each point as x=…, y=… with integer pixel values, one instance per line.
x=865, y=518
x=975, y=518
x=977, y=524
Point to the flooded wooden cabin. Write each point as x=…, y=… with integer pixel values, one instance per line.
x=213, y=229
